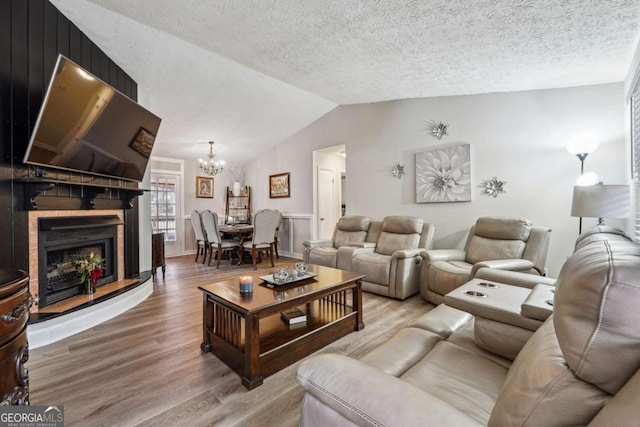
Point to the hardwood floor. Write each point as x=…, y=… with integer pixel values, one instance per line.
x=145, y=367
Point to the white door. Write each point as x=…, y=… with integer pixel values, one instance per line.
x=326, y=204
x=165, y=210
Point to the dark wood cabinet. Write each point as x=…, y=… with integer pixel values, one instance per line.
x=15, y=302
x=157, y=254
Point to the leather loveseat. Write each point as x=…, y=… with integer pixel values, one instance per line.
x=580, y=367
x=392, y=264
x=350, y=230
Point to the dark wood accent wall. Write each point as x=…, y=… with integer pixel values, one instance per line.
x=32, y=34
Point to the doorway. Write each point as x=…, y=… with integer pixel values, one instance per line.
x=329, y=166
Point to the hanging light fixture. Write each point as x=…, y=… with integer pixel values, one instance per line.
x=211, y=167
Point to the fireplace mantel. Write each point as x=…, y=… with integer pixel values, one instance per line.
x=88, y=192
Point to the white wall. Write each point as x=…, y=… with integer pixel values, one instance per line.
x=518, y=137
x=220, y=184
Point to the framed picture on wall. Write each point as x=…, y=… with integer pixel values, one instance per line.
x=204, y=187
x=444, y=174
x=279, y=185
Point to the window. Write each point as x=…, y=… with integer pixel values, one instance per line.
x=635, y=154
x=163, y=206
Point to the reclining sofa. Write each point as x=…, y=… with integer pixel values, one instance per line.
x=579, y=367
x=387, y=252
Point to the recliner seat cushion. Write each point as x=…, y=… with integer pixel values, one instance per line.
x=460, y=377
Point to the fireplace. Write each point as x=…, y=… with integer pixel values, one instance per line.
x=62, y=240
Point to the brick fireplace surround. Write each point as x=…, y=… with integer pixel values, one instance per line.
x=33, y=240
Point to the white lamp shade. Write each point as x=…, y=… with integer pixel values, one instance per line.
x=583, y=145
x=601, y=201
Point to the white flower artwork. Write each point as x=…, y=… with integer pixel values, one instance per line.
x=444, y=175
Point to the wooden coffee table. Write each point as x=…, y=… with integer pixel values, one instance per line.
x=246, y=331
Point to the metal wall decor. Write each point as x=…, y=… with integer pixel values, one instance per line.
x=439, y=130
x=494, y=186
x=397, y=171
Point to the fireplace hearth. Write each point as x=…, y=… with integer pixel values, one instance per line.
x=63, y=240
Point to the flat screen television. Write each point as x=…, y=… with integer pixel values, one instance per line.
x=85, y=125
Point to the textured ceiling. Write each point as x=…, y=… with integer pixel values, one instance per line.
x=250, y=73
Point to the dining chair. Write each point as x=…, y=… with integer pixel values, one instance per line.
x=276, y=237
x=201, y=239
x=264, y=230
x=214, y=241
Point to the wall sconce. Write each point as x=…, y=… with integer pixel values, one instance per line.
x=601, y=201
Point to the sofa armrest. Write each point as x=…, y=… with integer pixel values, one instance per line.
x=404, y=273
x=407, y=253
x=434, y=255
x=515, y=278
x=503, y=264
x=366, y=396
x=317, y=244
x=362, y=244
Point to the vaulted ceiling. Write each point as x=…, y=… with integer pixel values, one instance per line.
x=249, y=73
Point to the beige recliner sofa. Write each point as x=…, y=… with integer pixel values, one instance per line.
x=580, y=367
x=350, y=230
x=493, y=242
x=392, y=265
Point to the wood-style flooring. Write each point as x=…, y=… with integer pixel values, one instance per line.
x=145, y=367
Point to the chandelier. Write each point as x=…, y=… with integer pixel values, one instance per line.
x=211, y=167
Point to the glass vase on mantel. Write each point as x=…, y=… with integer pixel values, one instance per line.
x=89, y=287
x=237, y=189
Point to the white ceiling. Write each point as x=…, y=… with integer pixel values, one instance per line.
x=249, y=73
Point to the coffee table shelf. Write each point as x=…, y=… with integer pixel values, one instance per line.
x=247, y=333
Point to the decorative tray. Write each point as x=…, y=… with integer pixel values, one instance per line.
x=269, y=279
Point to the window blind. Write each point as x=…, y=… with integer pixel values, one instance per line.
x=635, y=148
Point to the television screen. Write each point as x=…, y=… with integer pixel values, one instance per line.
x=85, y=125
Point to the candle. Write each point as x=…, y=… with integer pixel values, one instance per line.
x=246, y=283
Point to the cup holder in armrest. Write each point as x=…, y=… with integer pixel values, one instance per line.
x=487, y=285
x=475, y=294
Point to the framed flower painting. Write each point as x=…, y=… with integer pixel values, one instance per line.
x=444, y=174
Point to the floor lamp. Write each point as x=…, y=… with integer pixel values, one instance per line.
x=581, y=148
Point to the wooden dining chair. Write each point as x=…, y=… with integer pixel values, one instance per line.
x=201, y=239
x=276, y=237
x=264, y=230
x=215, y=242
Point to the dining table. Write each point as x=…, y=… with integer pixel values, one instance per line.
x=242, y=230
